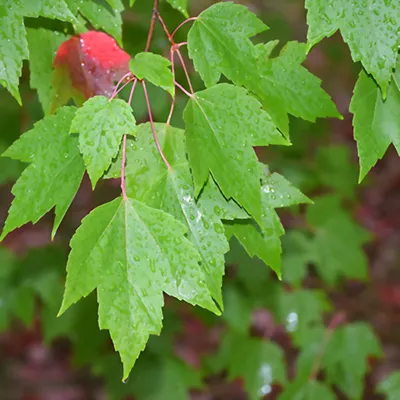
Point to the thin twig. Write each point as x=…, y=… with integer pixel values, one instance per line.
x=153, y=128
x=183, y=89
x=185, y=70
x=123, y=187
x=152, y=25
x=171, y=111
x=117, y=89
x=180, y=26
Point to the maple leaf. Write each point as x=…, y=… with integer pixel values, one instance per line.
x=370, y=30
x=155, y=69
x=52, y=178
x=171, y=190
x=287, y=87
x=87, y=65
x=219, y=43
x=13, y=45
x=101, y=124
x=263, y=240
x=376, y=121
x=222, y=124
x=132, y=253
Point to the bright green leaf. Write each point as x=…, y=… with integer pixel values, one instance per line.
x=219, y=43
x=54, y=175
x=222, y=124
x=286, y=87
x=132, y=253
x=154, y=68
x=369, y=28
x=101, y=124
x=376, y=121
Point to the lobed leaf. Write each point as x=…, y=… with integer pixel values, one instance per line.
x=369, y=28
x=54, y=175
x=132, y=253
x=101, y=124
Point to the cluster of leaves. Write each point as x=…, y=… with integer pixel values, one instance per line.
x=187, y=192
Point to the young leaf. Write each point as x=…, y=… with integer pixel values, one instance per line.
x=390, y=386
x=54, y=175
x=222, y=124
x=287, y=87
x=101, y=15
x=376, y=121
x=219, y=43
x=369, y=30
x=171, y=190
x=132, y=253
x=155, y=69
x=180, y=5
x=101, y=123
x=345, y=358
x=43, y=45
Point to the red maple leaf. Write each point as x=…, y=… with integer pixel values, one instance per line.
x=87, y=65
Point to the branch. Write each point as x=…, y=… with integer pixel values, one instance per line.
x=152, y=25
x=153, y=128
x=180, y=26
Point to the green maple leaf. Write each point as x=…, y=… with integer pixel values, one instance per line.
x=101, y=15
x=132, y=253
x=171, y=190
x=219, y=43
x=258, y=362
x=287, y=87
x=52, y=178
x=369, y=28
x=376, y=121
x=345, y=358
x=101, y=124
x=390, y=386
x=311, y=390
x=263, y=241
x=180, y=5
x=222, y=125
x=43, y=45
x=14, y=46
x=335, y=230
x=154, y=68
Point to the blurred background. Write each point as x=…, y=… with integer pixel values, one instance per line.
x=336, y=273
